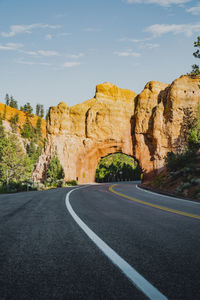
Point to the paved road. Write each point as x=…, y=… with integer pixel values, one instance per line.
x=44, y=254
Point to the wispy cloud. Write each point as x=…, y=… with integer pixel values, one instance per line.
x=151, y=46
x=64, y=34
x=19, y=29
x=41, y=53
x=11, y=46
x=164, y=3
x=48, y=53
x=127, y=53
x=32, y=53
x=75, y=56
x=91, y=29
x=195, y=10
x=133, y=40
x=71, y=64
x=141, y=43
x=18, y=48
x=186, y=29
x=48, y=37
x=26, y=62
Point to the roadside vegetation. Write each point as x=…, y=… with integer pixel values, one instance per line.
x=20, y=149
x=117, y=167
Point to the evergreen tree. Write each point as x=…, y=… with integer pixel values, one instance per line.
x=13, y=103
x=27, y=108
x=28, y=130
x=7, y=99
x=55, y=170
x=42, y=111
x=194, y=134
x=34, y=151
x=195, y=68
x=37, y=109
x=14, y=164
x=14, y=120
x=38, y=127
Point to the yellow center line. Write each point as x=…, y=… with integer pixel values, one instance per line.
x=154, y=205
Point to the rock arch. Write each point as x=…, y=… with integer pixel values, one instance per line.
x=145, y=126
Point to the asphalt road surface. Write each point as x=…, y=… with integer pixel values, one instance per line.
x=45, y=254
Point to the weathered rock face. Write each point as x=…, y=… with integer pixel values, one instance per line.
x=146, y=127
x=84, y=133
x=161, y=118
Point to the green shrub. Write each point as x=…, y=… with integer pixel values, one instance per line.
x=117, y=166
x=55, y=171
x=176, y=161
x=72, y=183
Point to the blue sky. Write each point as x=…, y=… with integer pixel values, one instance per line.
x=52, y=51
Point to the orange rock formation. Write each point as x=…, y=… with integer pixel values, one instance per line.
x=146, y=126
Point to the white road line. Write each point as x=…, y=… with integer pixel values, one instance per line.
x=140, y=282
x=171, y=197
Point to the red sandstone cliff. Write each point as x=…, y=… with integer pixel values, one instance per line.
x=146, y=126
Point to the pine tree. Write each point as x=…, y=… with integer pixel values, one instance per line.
x=41, y=111
x=55, y=170
x=195, y=68
x=14, y=120
x=28, y=108
x=28, y=130
x=14, y=164
x=37, y=109
x=13, y=102
x=7, y=99
x=38, y=127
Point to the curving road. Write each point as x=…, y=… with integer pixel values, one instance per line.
x=45, y=254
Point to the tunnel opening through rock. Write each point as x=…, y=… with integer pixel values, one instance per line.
x=118, y=167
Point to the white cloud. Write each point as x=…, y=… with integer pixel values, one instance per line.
x=41, y=53
x=160, y=29
x=127, y=53
x=48, y=53
x=64, y=33
x=133, y=40
x=32, y=53
x=48, y=37
x=151, y=46
x=159, y=2
x=11, y=46
x=91, y=29
x=25, y=62
x=76, y=56
x=71, y=64
x=19, y=29
x=195, y=10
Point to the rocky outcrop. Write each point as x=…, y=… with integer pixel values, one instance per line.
x=146, y=126
x=84, y=133
x=161, y=120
